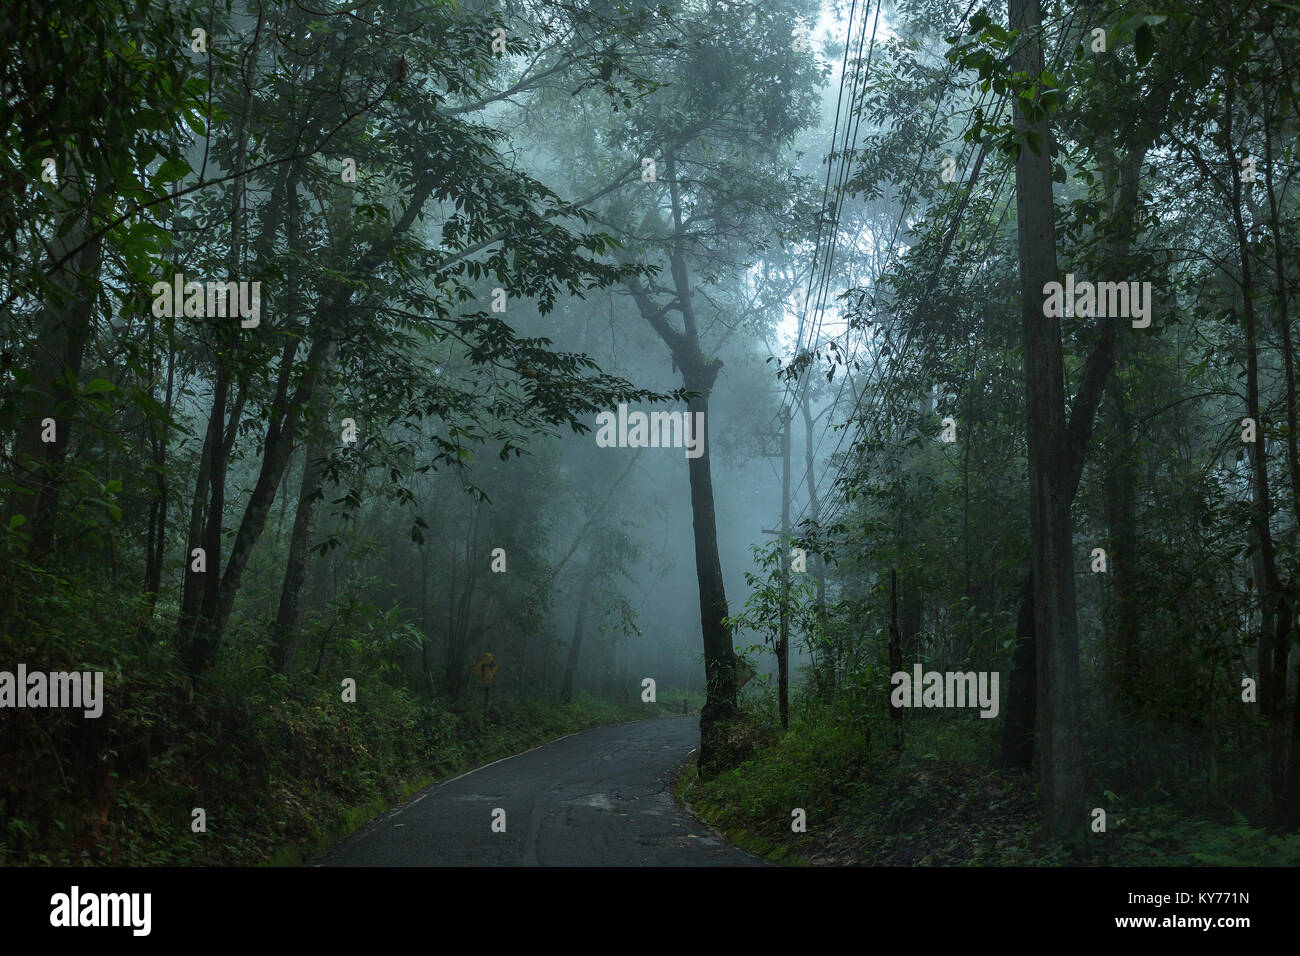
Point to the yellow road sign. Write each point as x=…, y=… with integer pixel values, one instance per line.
x=485, y=668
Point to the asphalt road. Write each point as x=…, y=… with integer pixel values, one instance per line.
x=597, y=798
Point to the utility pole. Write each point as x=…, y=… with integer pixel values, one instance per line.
x=783, y=642
x=814, y=516
x=783, y=649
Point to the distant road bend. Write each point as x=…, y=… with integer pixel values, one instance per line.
x=597, y=798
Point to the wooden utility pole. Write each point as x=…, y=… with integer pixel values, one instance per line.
x=783, y=648
x=783, y=641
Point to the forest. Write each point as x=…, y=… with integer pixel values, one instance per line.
x=874, y=422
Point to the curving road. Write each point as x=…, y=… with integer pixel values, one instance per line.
x=596, y=798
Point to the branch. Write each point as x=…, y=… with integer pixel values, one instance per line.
x=202, y=184
x=582, y=533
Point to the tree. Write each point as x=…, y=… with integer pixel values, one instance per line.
x=1050, y=533
x=696, y=219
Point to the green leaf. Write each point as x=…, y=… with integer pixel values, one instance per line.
x=1144, y=43
x=17, y=521
x=95, y=386
x=171, y=170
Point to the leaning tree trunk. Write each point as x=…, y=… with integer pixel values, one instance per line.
x=202, y=590
x=719, y=656
x=698, y=375
x=283, y=429
x=288, y=622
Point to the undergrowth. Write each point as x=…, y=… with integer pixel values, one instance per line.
x=278, y=764
x=940, y=801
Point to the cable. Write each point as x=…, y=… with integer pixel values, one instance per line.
x=900, y=356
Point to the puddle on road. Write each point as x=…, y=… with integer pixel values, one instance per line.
x=600, y=801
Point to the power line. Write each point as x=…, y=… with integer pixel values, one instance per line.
x=907, y=199
x=819, y=288
x=901, y=355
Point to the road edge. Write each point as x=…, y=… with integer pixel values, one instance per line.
x=417, y=792
x=680, y=780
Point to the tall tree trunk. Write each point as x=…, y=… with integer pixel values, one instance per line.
x=546, y=663
x=1022, y=705
x=1022, y=691
x=1291, y=798
x=575, y=646
x=286, y=415
x=192, y=581
x=159, y=434
x=288, y=621
x=288, y=625
x=426, y=624
x=699, y=373
x=895, y=653
x=56, y=360
x=912, y=617
x=202, y=647
x=719, y=656
x=199, y=630
x=159, y=437
x=1061, y=746
x=1292, y=794
x=281, y=433
x=1272, y=593
x=459, y=605
x=814, y=503
x=1120, y=487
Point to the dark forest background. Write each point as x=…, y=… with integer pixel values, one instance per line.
x=827, y=227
